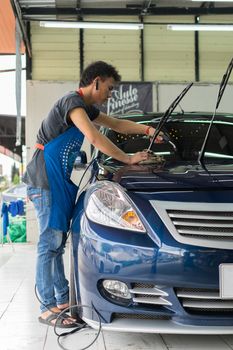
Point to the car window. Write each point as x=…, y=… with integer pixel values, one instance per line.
x=186, y=136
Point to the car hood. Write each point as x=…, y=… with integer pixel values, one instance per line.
x=176, y=176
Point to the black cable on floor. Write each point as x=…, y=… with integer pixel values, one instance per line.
x=59, y=336
x=77, y=327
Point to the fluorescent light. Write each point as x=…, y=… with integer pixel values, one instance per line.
x=91, y=25
x=197, y=27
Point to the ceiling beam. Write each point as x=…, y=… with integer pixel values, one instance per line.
x=31, y=13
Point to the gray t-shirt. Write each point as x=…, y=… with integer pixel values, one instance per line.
x=56, y=123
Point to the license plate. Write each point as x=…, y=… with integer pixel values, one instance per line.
x=226, y=281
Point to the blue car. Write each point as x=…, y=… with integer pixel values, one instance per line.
x=153, y=242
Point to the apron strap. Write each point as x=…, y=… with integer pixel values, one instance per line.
x=80, y=92
x=39, y=146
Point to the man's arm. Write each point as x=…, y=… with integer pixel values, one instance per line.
x=98, y=140
x=120, y=125
x=124, y=126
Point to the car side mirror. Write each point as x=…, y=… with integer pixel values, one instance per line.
x=80, y=161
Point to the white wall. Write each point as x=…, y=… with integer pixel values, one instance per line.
x=201, y=97
x=41, y=95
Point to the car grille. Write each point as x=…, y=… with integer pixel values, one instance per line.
x=203, y=224
x=203, y=301
x=149, y=294
x=140, y=316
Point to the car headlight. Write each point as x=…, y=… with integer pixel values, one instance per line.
x=108, y=205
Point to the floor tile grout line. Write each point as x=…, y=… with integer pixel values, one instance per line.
x=5, y=262
x=4, y=311
x=46, y=337
x=102, y=333
x=161, y=336
x=11, y=300
x=226, y=342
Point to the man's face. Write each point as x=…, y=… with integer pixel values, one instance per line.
x=104, y=91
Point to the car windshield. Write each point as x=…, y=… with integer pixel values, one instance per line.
x=186, y=133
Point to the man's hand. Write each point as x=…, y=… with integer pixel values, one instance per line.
x=138, y=157
x=159, y=138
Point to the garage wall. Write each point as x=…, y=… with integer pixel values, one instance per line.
x=196, y=98
x=55, y=53
x=168, y=55
x=215, y=49
x=121, y=48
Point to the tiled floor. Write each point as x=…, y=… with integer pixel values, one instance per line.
x=20, y=330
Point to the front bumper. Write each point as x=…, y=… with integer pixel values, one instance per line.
x=158, y=326
x=174, y=268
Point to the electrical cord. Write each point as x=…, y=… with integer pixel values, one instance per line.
x=84, y=326
x=84, y=173
x=78, y=326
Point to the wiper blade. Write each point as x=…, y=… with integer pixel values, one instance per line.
x=224, y=82
x=222, y=87
x=167, y=113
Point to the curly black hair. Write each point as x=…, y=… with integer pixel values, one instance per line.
x=98, y=68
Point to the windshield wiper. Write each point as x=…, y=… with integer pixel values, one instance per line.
x=222, y=87
x=167, y=113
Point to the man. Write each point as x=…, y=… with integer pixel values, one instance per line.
x=50, y=189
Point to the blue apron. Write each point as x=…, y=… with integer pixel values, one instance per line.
x=59, y=155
